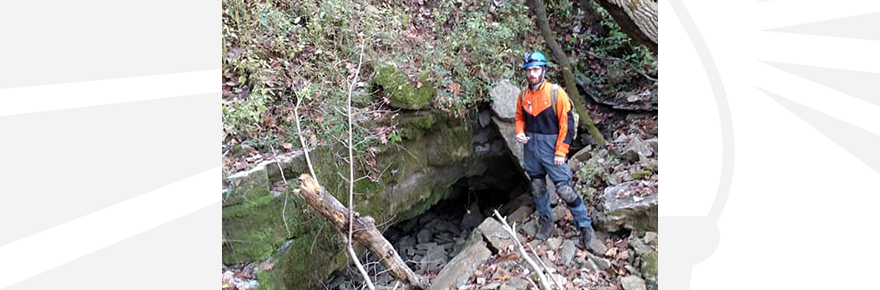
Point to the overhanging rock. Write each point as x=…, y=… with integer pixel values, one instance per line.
x=436, y=152
x=504, y=97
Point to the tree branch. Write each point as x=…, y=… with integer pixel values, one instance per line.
x=303, y=141
x=351, y=176
x=364, y=230
x=284, y=209
x=350, y=146
x=541, y=277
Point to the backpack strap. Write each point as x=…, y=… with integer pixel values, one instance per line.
x=553, y=92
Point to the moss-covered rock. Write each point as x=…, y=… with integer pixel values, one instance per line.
x=413, y=127
x=253, y=230
x=402, y=93
x=250, y=234
x=451, y=144
x=247, y=185
x=640, y=174
x=435, y=153
x=649, y=269
x=648, y=257
x=306, y=261
x=265, y=280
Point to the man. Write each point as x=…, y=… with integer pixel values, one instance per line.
x=547, y=135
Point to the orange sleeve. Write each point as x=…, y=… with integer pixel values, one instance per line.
x=520, y=121
x=563, y=106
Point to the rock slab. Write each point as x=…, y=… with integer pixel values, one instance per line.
x=626, y=212
x=494, y=232
x=568, y=251
x=632, y=282
x=504, y=96
x=457, y=271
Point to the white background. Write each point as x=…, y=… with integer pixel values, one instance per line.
x=801, y=210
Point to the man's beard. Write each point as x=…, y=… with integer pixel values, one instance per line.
x=537, y=81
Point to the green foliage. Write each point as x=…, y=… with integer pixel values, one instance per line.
x=277, y=52
x=625, y=58
x=282, y=52
x=475, y=45
x=395, y=138
x=242, y=117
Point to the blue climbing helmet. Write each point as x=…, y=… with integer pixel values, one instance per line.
x=533, y=59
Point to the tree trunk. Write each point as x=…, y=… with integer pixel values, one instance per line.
x=364, y=232
x=637, y=18
x=570, y=85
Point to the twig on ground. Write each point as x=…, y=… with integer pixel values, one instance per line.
x=351, y=176
x=541, y=277
x=284, y=209
x=360, y=267
x=315, y=239
x=302, y=141
x=546, y=268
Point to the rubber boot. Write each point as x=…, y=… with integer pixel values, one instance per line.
x=545, y=230
x=587, y=235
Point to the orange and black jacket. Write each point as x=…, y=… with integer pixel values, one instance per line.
x=535, y=115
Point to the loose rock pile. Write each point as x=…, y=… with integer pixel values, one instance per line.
x=485, y=257
x=618, y=260
x=427, y=243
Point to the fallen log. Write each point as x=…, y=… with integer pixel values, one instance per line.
x=364, y=230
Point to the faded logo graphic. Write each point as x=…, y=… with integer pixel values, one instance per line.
x=107, y=112
x=690, y=240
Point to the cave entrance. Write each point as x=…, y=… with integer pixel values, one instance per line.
x=427, y=242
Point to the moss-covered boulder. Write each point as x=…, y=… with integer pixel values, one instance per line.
x=414, y=126
x=247, y=185
x=303, y=260
x=648, y=257
x=402, y=93
x=452, y=144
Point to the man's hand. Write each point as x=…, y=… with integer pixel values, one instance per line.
x=522, y=138
x=558, y=160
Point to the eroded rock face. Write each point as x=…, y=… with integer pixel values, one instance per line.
x=436, y=151
x=504, y=96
